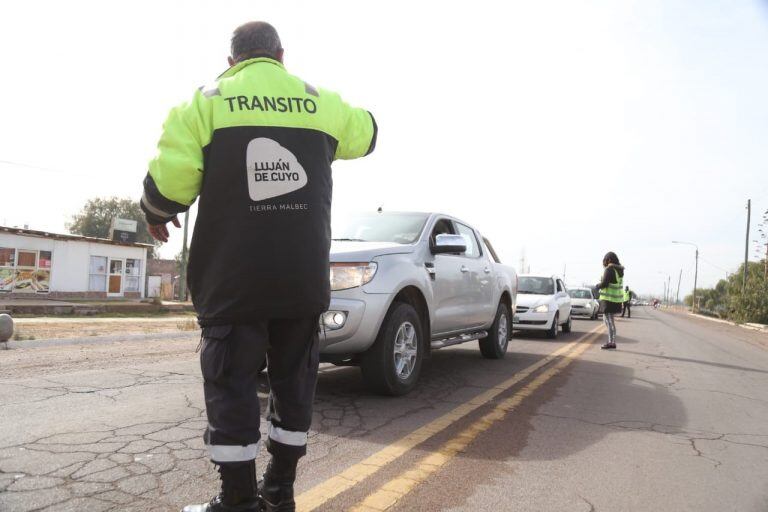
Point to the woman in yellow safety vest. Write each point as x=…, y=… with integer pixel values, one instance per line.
x=611, y=294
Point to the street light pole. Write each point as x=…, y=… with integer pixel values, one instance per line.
x=695, y=273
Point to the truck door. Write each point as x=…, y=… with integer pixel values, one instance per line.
x=447, y=286
x=477, y=282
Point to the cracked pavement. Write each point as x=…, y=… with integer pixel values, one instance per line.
x=675, y=419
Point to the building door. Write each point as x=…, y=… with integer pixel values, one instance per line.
x=154, y=284
x=115, y=282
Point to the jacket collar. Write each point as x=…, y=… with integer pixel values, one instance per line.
x=245, y=63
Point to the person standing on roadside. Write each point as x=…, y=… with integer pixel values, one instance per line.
x=626, y=305
x=611, y=295
x=256, y=146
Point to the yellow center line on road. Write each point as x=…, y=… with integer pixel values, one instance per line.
x=391, y=492
x=327, y=490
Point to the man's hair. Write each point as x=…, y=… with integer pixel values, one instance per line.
x=254, y=39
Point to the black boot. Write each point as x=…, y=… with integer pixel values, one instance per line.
x=238, y=490
x=277, y=486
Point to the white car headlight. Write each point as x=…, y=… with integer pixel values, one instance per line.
x=543, y=308
x=351, y=275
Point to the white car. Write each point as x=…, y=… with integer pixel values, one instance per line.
x=583, y=303
x=543, y=304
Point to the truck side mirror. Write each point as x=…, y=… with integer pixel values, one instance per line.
x=447, y=244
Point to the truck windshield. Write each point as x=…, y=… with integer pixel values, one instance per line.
x=536, y=285
x=399, y=228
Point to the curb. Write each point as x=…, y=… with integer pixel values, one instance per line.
x=100, y=340
x=749, y=326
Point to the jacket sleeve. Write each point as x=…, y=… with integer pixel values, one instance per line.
x=607, y=277
x=358, y=133
x=176, y=173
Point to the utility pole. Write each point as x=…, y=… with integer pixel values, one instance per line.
x=677, y=295
x=183, y=274
x=695, y=273
x=746, y=247
x=669, y=290
x=695, y=279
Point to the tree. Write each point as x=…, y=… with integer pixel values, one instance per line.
x=95, y=219
x=729, y=299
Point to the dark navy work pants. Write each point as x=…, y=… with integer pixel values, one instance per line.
x=231, y=358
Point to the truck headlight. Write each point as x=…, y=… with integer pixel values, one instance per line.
x=351, y=275
x=543, y=308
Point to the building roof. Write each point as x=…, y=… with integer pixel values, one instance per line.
x=71, y=238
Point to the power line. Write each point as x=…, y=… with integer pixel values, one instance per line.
x=45, y=169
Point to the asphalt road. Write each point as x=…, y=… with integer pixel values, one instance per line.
x=675, y=419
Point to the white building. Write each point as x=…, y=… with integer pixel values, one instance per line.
x=36, y=263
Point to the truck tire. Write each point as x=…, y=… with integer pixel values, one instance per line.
x=494, y=346
x=552, y=332
x=568, y=325
x=393, y=363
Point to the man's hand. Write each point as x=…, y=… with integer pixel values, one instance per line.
x=160, y=231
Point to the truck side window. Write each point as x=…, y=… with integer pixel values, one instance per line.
x=473, y=248
x=442, y=227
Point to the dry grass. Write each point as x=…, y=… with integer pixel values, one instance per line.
x=187, y=325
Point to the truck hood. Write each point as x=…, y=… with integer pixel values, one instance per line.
x=366, y=251
x=531, y=299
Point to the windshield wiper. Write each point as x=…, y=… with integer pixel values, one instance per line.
x=525, y=291
x=348, y=240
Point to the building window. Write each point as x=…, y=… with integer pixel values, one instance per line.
x=97, y=279
x=7, y=272
x=44, y=261
x=25, y=271
x=27, y=259
x=132, y=275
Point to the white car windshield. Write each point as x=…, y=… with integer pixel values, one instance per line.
x=399, y=228
x=536, y=285
x=580, y=294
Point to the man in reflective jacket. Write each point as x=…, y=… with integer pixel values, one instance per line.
x=256, y=146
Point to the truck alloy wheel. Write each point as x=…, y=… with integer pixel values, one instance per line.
x=393, y=363
x=406, y=349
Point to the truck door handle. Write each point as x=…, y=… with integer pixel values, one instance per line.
x=464, y=268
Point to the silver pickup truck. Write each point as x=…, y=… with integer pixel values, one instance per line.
x=404, y=284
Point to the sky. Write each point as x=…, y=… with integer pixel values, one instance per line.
x=560, y=129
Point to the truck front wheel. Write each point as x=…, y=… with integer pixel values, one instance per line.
x=393, y=363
